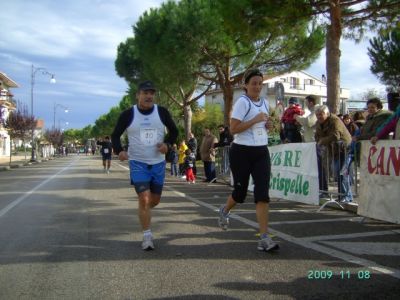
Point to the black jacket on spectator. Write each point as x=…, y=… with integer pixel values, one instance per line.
x=225, y=138
x=192, y=144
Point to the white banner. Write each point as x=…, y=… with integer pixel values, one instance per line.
x=380, y=181
x=294, y=173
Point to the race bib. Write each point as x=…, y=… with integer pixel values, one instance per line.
x=260, y=134
x=148, y=136
x=106, y=151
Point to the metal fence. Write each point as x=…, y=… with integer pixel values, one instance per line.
x=222, y=167
x=338, y=170
x=222, y=157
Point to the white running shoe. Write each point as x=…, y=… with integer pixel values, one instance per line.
x=223, y=220
x=147, y=243
x=267, y=244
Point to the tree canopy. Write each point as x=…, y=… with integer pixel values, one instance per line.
x=159, y=53
x=192, y=43
x=348, y=19
x=20, y=123
x=385, y=56
x=235, y=36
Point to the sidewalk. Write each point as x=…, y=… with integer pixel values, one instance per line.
x=17, y=161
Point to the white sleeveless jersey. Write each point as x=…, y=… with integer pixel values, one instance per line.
x=245, y=110
x=144, y=133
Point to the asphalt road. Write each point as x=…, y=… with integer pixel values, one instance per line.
x=69, y=231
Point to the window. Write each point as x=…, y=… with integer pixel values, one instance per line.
x=294, y=82
x=309, y=82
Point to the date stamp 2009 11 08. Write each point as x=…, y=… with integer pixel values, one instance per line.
x=342, y=274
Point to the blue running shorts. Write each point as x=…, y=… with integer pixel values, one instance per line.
x=147, y=177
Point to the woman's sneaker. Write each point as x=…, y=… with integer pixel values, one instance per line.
x=223, y=220
x=267, y=244
x=147, y=243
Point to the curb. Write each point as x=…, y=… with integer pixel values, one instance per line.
x=4, y=168
x=17, y=165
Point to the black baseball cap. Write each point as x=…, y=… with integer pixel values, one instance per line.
x=147, y=86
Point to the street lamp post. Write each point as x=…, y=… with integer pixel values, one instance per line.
x=62, y=121
x=52, y=80
x=55, y=108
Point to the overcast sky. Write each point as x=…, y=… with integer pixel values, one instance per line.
x=77, y=41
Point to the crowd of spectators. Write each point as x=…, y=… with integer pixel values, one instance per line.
x=336, y=138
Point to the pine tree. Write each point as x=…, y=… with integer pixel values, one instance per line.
x=385, y=57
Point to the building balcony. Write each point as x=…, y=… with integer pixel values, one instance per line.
x=307, y=89
x=8, y=101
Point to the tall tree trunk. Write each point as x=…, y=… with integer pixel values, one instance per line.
x=224, y=80
x=187, y=117
x=228, y=103
x=333, y=56
x=10, y=151
x=24, y=148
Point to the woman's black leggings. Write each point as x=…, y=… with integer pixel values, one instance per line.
x=250, y=160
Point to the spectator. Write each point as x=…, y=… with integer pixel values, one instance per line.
x=192, y=145
x=350, y=125
x=291, y=129
x=359, y=119
x=174, y=160
x=207, y=153
x=332, y=134
x=376, y=117
x=354, y=131
x=181, y=158
x=393, y=123
x=225, y=137
x=308, y=121
x=225, y=140
x=189, y=162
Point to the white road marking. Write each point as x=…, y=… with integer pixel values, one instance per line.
x=348, y=235
x=339, y=254
x=126, y=168
x=302, y=242
x=368, y=248
x=350, y=219
x=10, y=206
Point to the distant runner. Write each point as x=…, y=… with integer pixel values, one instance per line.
x=106, y=151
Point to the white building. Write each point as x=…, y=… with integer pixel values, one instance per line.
x=293, y=84
x=7, y=104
